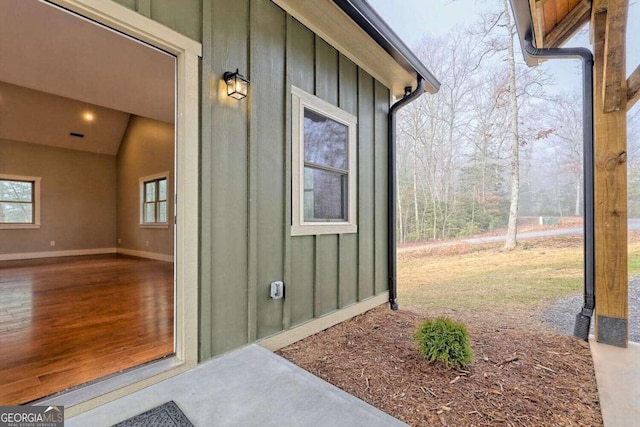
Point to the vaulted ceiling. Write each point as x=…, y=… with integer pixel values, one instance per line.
x=56, y=66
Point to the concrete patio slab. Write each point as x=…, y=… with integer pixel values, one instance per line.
x=618, y=377
x=247, y=387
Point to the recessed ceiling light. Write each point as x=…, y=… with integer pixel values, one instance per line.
x=88, y=117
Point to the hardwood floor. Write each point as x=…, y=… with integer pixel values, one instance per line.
x=67, y=321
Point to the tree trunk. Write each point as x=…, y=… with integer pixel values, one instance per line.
x=435, y=219
x=415, y=193
x=400, y=237
x=511, y=241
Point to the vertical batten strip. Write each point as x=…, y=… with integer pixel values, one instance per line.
x=340, y=237
x=286, y=256
x=327, y=244
x=316, y=279
x=348, y=243
x=267, y=56
x=341, y=275
x=300, y=63
x=226, y=248
x=252, y=229
x=143, y=7
x=366, y=176
x=381, y=113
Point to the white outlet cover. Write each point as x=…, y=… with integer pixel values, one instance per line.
x=277, y=290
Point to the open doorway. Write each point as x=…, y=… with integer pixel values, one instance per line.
x=87, y=196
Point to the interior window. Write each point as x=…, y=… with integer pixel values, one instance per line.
x=19, y=201
x=154, y=201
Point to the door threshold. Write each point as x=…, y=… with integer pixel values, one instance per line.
x=124, y=382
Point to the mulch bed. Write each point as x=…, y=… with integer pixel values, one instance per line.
x=522, y=375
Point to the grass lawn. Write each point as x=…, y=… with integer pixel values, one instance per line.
x=468, y=277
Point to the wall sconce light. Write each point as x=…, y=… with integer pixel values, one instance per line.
x=237, y=84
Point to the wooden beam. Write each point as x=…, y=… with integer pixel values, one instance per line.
x=570, y=24
x=614, y=55
x=610, y=203
x=537, y=15
x=597, y=6
x=600, y=5
x=633, y=88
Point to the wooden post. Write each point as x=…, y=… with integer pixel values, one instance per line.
x=611, y=281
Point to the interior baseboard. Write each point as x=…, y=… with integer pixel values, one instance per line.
x=314, y=326
x=143, y=254
x=55, y=254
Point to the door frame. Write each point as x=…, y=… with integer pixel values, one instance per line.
x=186, y=265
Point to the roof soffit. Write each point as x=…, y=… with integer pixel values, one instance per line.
x=329, y=22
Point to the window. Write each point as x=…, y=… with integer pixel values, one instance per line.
x=19, y=201
x=324, y=167
x=154, y=208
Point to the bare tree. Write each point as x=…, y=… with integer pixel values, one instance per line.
x=512, y=227
x=566, y=137
x=459, y=150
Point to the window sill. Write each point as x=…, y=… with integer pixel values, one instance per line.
x=323, y=228
x=19, y=226
x=154, y=226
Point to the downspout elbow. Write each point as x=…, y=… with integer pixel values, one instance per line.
x=565, y=52
x=391, y=182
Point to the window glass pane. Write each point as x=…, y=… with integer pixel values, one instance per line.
x=162, y=189
x=325, y=141
x=162, y=212
x=308, y=193
x=324, y=195
x=150, y=191
x=16, y=213
x=16, y=191
x=149, y=212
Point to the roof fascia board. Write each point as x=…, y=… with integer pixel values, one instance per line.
x=369, y=20
x=332, y=24
x=524, y=25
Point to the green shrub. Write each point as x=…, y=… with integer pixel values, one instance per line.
x=444, y=340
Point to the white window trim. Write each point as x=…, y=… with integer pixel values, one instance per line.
x=36, y=201
x=142, y=224
x=299, y=227
x=186, y=207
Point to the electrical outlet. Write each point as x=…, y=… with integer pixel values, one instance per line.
x=147, y=243
x=52, y=243
x=277, y=290
x=119, y=240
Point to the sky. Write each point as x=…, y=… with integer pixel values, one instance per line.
x=411, y=19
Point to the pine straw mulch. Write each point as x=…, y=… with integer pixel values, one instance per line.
x=520, y=376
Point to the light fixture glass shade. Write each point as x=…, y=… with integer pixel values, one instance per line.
x=237, y=85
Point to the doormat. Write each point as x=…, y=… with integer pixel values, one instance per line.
x=166, y=415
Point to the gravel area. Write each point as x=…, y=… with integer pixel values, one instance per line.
x=562, y=313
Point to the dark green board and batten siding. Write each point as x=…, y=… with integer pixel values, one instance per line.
x=246, y=180
x=246, y=172
x=183, y=16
